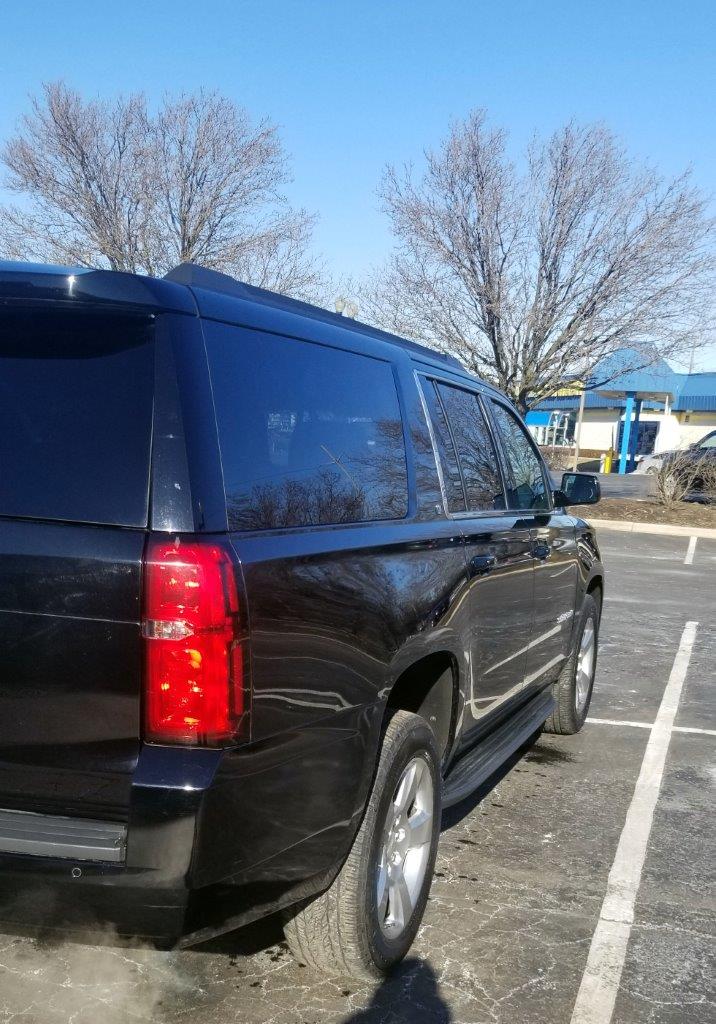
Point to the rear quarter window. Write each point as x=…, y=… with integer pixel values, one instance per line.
x=76, y=393
x=309, y=435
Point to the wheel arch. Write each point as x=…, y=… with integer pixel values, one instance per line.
x=595, y=589
x=429, y=687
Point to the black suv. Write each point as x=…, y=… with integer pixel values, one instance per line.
x=274, y=587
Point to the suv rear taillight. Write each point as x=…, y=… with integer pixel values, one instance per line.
x=194, y=686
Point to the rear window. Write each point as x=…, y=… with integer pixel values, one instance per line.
x=75, y=416
x=309, y=435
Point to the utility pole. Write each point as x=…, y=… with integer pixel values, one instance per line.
x=578, y=429
x=691, y=360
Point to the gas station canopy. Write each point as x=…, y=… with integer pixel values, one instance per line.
x=633, y=397
x=641, y=396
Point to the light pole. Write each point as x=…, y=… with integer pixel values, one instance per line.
x=578, y=429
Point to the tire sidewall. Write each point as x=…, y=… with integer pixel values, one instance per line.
x=415, y=741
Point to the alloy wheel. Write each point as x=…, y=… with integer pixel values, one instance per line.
x=585, y=665
x=405, y=852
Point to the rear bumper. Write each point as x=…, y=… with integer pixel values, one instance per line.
x=133, y=877
x=214, y=838
x=50, y=895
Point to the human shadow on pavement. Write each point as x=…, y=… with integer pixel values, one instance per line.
x=408, y=996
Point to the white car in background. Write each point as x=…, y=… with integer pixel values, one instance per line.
x=652, y=463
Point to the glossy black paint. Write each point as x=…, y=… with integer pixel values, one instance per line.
x=71, y=668
x=334, y=617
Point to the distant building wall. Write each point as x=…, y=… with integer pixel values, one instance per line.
x=598, y=428
x=677, y=430
x=691, y=398
x=693, y=426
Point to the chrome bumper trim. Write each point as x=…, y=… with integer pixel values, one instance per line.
x=49, y=835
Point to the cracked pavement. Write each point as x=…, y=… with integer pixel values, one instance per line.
x=520, y=877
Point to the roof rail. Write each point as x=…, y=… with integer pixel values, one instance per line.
x=195, y=276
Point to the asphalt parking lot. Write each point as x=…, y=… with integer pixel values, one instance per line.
x=517, y=929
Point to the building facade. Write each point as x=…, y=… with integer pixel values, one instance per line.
x=680, y=411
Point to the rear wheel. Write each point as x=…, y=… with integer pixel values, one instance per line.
x=573, y=690
x=367, y=920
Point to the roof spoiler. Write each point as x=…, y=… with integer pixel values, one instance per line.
x=83, y=286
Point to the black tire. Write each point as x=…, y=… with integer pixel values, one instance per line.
x=341, y=932
x=570, y=714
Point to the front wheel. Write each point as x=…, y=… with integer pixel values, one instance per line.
x=573, y=690
x=366, y=922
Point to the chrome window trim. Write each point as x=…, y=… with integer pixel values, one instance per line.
x=480, y=394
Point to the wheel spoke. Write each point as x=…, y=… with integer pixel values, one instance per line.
x=383, y=890
x=406, y=790
x=401, y=905
x=420, y=826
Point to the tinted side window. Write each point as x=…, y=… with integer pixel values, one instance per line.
x=76, y=394
x=309, y=435
x=526, y=488
x=475, y=450
x=446, y=450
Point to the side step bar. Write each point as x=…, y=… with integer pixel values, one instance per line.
x=476, y=766
x=49, y=835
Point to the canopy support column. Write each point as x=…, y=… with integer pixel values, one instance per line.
x=626, y=432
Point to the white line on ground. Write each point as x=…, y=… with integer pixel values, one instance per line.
x=689, y=560
x=648, y=725
x=616, y=721
x=600, y=981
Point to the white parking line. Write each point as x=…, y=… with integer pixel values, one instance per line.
x=689, y=560
x=648, y=725
x=600, y=981
x=616, y=721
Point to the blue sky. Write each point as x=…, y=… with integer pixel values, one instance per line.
x=355, y=85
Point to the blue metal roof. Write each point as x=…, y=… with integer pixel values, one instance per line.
x=696, y=403
x=694, y=391
x=698, y=392
x=699, y=383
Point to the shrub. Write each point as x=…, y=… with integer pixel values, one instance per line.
x=687, y=474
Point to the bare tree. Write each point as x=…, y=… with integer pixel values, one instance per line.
x=533, y=278
x=115, y=185
x=683, y=475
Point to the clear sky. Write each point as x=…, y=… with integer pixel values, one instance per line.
x=354, y=85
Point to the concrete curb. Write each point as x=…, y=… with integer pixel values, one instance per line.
x=660, y=528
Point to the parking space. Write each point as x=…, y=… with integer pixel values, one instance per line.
x=522, y=872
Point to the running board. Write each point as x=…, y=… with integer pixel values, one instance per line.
x=476, y=766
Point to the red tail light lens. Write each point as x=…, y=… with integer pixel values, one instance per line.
x=194, y=689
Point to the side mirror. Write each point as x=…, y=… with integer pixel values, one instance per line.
x=579, y=489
